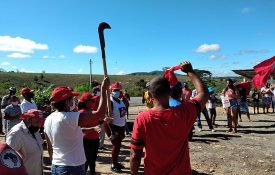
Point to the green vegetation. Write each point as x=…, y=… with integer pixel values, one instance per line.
x=43, y=83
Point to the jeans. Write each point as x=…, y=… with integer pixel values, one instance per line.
x=68, y=170
x=117, y=142
x=208, y=120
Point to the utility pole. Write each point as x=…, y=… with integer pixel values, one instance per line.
x=91, y=62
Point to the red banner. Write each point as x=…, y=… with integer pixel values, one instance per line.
x=263, y=71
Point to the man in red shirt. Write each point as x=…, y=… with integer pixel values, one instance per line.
x=163, y=130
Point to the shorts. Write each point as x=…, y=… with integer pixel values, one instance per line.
x=120, y=134
x=266, y=101
x=244, y=107
x=256, y=103
x=233, y=103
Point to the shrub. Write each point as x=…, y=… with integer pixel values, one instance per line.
x=42, y=95
x=82, y=88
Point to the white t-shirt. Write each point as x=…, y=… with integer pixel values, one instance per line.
x=26, y=105
x=20, y=139
x=119, y=112
x=267, y=94
x=66, y=138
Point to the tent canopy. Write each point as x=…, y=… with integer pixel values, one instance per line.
x=249, y=73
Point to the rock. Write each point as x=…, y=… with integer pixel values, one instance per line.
x=261, y=161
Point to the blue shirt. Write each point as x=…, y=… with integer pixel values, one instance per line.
x=173, y=102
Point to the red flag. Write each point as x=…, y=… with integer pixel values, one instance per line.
x=245, y=85
x=263, y=71
x=170, y=75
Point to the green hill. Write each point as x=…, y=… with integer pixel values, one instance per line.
x=20, y=80
x=129, y=82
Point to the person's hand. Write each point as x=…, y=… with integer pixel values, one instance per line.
x=108, y=120
x=105, y=83
x=97, y=129
x=186, y=67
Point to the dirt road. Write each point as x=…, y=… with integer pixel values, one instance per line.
x=251, y=151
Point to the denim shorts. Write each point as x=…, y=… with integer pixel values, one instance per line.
x=266, y=100
x=233, y=103
x=68, y=170
x=244, y=107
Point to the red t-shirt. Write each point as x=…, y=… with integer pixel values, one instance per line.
x=10, y=162
x=164, y=134
x=93, y=134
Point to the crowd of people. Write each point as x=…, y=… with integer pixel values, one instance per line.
x=236, y=103
x=75, y=129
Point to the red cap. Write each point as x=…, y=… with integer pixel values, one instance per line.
x=87, y=96
x=116, y=85
x=61, y=93
x=32, y=113
x=170, y=76
x=25, y=90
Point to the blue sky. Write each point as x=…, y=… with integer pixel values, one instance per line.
x=60, y=36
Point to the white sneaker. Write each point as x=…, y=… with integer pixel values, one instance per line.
x=213, y=130
x=199, y=129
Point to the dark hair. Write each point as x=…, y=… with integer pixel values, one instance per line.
x=81, y=105
x=177, y=91
x=61, y=106
x=231, y=86
x=230, y=80
x=159, y=86
x=14, y=97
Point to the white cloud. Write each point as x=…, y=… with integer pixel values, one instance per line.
x=18, y=44
x=61, y=56
x=80, y=70
x=5, y=64
x=85, y=49
x=212, y=57
x=246, y=10
x=47, y=56
x=208, y=48
x=18, y=55
x=250, y=51
x=120, y=73
x=14, y=67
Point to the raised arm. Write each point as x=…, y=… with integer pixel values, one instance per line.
x=88, y=117
x=202, y=92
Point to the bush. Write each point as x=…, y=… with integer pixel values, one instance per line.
x=135, y=91
x=42, y=95
x=82, y=88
